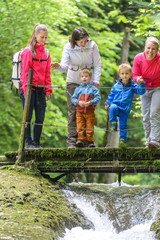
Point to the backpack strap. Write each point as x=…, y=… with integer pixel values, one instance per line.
x=42, y=60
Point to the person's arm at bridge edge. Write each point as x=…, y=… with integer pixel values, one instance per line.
x=63, y=65
x=96, y=66
x=137, y=75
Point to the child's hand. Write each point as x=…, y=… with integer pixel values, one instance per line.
x=81, y=104
x=55, y=65
x=140, y=80
x=106, y=107
x=87, y=104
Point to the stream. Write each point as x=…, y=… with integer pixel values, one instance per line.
x=115, y=213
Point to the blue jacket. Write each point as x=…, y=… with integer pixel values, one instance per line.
x=122, y=95
x=86, y=92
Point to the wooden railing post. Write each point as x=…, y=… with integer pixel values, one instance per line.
x=112, y=138
x=25, y=117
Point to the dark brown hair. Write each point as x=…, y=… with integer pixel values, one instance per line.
x=78, y=34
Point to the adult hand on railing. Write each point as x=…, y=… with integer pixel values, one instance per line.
x=55, y=65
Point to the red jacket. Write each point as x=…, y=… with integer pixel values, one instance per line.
x=42, y=72
x=148, y=69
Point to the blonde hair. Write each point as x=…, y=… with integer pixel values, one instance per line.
x=125, y=66
x=37, y=29
x=86, y=70
x=153, y=40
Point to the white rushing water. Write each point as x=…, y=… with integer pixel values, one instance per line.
x=103, y=227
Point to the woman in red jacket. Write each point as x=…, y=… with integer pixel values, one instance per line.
x=146, y=66
x=35, y=56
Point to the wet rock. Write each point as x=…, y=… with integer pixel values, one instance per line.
x=81, y=219
x=9, y=205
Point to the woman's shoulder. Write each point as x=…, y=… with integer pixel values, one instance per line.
x=91, y=43
x=140, y=55
x=68, y=46
x=26, y=51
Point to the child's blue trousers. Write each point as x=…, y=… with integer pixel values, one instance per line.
x=114, y=110
x=38, y=103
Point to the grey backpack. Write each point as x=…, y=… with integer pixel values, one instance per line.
x=17, y=66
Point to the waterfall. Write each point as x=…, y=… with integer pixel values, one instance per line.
x=117, y=213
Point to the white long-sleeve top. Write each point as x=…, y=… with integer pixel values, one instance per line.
x=74, y=59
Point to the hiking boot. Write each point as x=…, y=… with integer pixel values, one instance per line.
x=154, y=144
x=80, y=143
x=91, y=145
x=122, y=143
x=113, y=126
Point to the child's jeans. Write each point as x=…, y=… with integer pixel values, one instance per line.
x=85, y=126
x=114, y=110
x=38, y=102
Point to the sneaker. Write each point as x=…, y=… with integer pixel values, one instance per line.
x=36, y=145
x=80, y=143
x=91, y=145
x=153, y=144
x=71, y=146
x=29, y=145
x=113, y=126
x=122, y=143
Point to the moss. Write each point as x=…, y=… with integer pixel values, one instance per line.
x=31, y=206
x=134, y=159
x=156, y=227
x=156, y=164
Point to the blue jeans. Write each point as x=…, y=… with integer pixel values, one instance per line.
x=38, y=103
x=114, y=110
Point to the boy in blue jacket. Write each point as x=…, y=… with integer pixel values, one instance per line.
x=85, y=98
x=119, y=102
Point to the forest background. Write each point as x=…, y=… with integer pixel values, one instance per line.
x=105, y=21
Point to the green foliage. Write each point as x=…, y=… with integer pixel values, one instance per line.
x=105, y=21
x=141, y=179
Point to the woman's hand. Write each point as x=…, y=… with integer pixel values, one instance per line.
x=48, y=97
x=55, y=65
x=140, y=80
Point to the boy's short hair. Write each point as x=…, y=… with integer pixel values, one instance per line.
x=86, y=70
x=125, y=65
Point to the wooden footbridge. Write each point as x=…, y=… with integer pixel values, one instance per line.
x=87, y=160
x=83, y=160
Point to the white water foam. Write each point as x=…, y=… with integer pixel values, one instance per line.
x=103, y=228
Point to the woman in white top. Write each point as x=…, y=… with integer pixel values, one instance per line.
x=80, y=52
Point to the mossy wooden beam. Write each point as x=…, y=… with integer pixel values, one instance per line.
x=93, y=160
